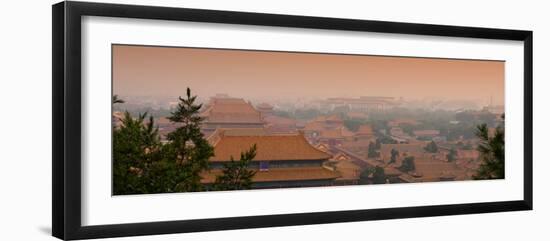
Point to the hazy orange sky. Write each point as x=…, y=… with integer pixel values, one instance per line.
x=165, y=71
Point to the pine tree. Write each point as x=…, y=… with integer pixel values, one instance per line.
x=372, y=152
x=379, y=176
x=408, y=164
x=135, y=146
x=236, y=175
x=364, y=177
x=491, y=150
x=452, y=155
x=431, y=147
x=188, y=147
x=394, y=155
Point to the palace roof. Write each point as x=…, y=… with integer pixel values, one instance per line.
x=322, y=147
x=365, y=130
x=348, y=170
x=433, y=170
x=269, y=147
x=332, y=134
x=314, y=126
x=230, y=110
x=337, y=133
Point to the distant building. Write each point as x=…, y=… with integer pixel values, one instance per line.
x=314, y=128
x=429, y=167
x=230, y=113
x=359, y=147
x=330, y=121
x=416, y=150
x=281, y=160
x=365, y=132
x=426, y=133
x=323, y=147
x=265, y=108
x=399, y=135
x=278, y=124
x=349, y=171
x=335, y=136
x=362, y=104
x=430, y=170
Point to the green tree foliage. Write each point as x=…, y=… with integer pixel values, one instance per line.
x=451, y=156
x=424, y=138
x=136, y=146
x=353, y=124
x=476, y=116
x=373, y=152
x=364, y=176
x=408, y=128
x=464, y=146
x=431, y=147
x=491, y=150
x=282, y=113
x=394, y=155
x=187, y=146
x=141, y=164
x=379, y=176
x=340, y=110
x=386, y=140
x=462, y=130
x=236, y=175
x=408, y=164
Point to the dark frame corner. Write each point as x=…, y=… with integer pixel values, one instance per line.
x=66, y=86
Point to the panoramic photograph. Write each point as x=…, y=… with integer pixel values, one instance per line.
x=188, y=119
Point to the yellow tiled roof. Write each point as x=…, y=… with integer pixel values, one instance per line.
x=269, y=148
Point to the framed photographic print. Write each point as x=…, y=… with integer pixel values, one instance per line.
x=169, y=120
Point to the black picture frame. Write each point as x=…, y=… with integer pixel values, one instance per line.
x=66, y=127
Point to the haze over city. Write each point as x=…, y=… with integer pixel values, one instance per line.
x=257, y=75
